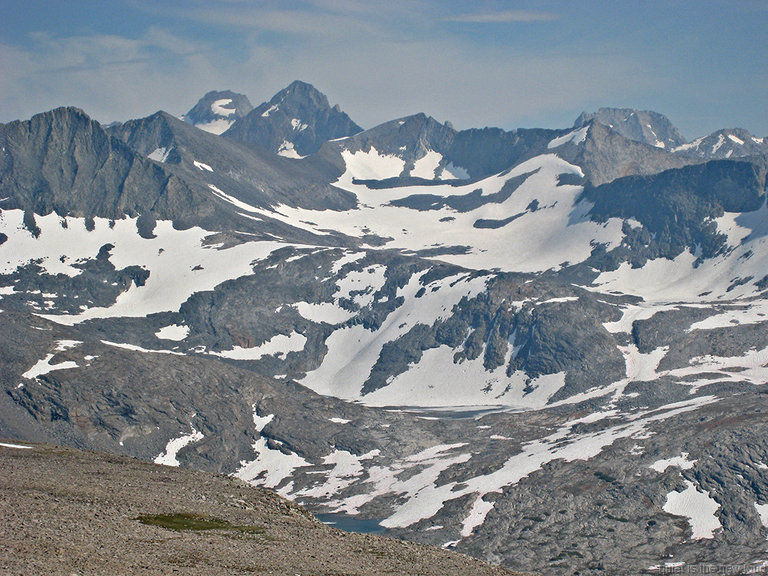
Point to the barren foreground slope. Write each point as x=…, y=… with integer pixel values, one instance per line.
x=70, y=512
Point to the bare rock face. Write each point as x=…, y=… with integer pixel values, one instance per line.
x=640, y=125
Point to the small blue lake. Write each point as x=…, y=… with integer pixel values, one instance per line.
x=351, y=524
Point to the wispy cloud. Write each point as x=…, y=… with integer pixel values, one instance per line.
x=377, y=62
x=504, y=17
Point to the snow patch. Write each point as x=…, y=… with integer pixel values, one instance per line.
x=762, y=510
x=681, y=462
x=269, y=111
x=201, y=166
x=160, y=154
x=178, y=261
x=218, y=126
x=453, y=172
x=339, y=420
x=219, y=107
x=287, y=149
x=354, y=350
x=327, y=312
x=16, y=446
x=270, y=467
x=346, y=467
x=173, y=332
x=575, y=137
x=278, y=345
x=426, y=166
x=698, y=506
x=134, y=348
x=172, y=448
x=43, y=367
x=370, y=165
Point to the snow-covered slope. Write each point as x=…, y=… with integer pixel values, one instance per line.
x=480, y=339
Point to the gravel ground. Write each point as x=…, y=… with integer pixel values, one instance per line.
x=74, y=513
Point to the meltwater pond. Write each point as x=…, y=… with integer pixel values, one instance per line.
x=351, y=524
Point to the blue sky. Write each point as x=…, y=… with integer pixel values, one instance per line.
x=484, y=63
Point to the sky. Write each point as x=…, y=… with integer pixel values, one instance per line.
x=503, y=63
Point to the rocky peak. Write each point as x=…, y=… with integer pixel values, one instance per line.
x=640, y=125
x=605, y=153
x=724, y=144
x=218, y=110
x=410, y=136
x=294, y=123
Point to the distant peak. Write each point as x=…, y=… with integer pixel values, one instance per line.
x=644, y=126
x=295, y=122
x=300, y=92
x=300, y=85
x=217, y=110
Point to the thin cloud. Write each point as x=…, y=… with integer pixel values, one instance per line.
x=504, y=17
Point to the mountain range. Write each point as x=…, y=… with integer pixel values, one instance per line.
x=543, y=348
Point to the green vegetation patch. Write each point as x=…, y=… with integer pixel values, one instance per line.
x=182, y=521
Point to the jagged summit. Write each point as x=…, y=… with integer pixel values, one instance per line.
x=294, y=123
x=218, y=110
x=724, y=144
x=641, y=125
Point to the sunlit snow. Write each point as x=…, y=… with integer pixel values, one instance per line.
x=44, y=366
x=699, y=507
x=276, y=346
x=172, y=448
x=173, y=332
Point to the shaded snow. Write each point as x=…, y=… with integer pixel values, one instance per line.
x=160, y=154
x=453, y=172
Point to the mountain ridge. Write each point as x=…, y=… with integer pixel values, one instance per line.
x=502, y=342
